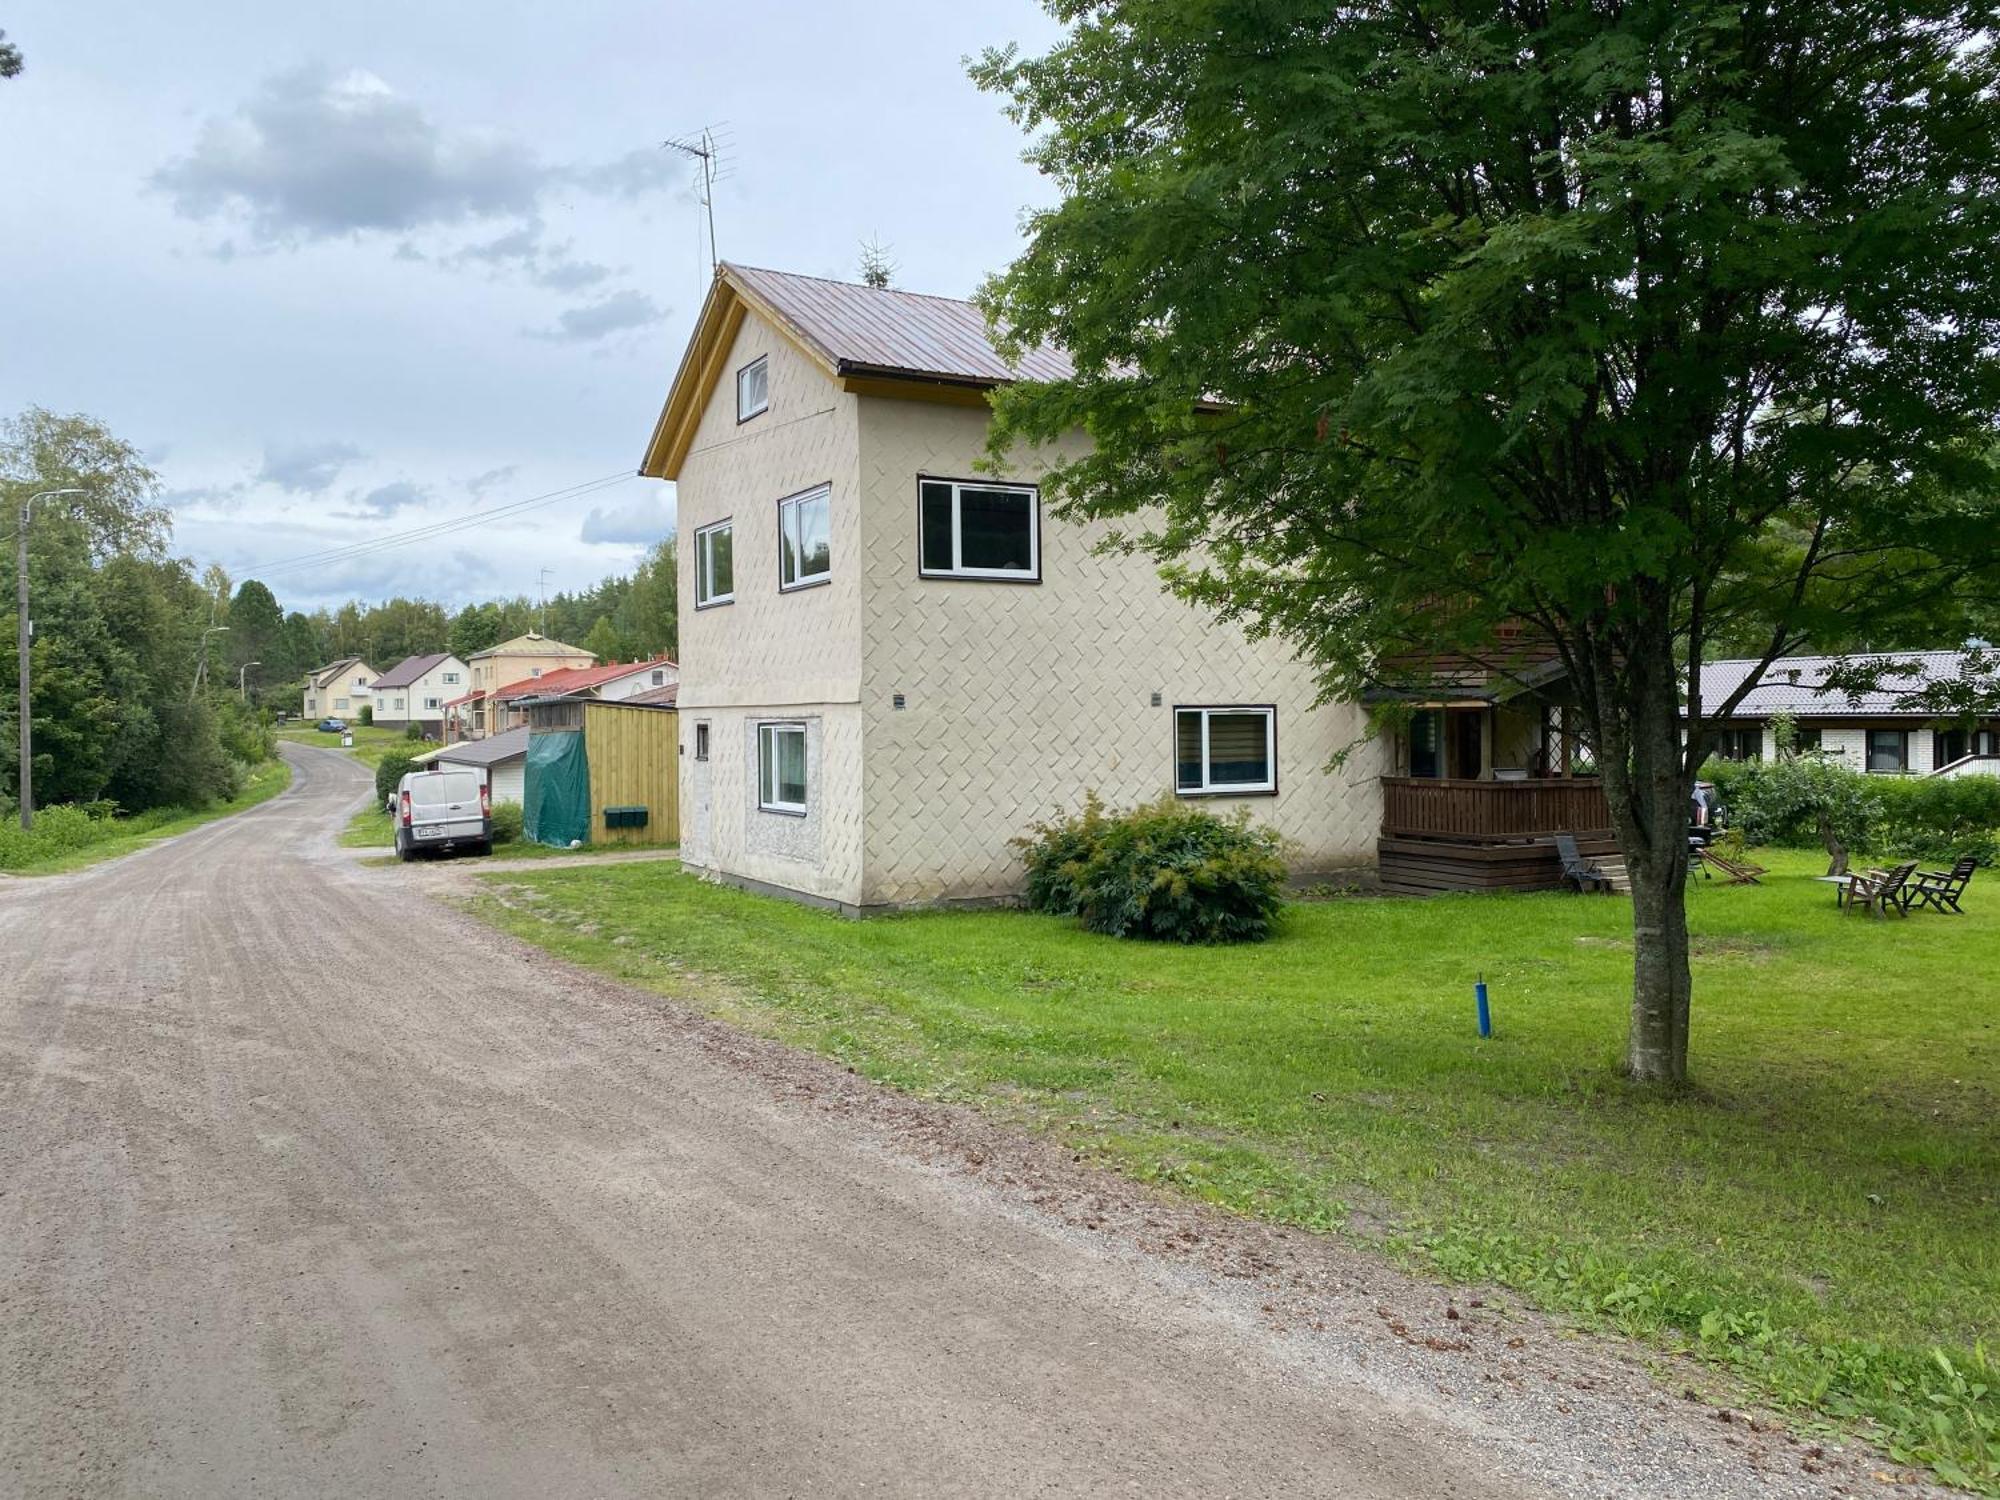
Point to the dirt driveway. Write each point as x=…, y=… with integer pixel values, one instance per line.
x=310, y=1186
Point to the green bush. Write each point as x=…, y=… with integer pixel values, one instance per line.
x=367, y=714
x=413, y=730
x=506, y=822
x=393, y=768
x=1796, y=802
x=1163, y=870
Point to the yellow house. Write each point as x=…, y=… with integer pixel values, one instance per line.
x=497, y=667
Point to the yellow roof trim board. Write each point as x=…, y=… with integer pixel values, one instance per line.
x=722, y=313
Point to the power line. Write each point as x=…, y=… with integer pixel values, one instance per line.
x=326, y=557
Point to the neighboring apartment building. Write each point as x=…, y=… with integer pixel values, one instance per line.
x=416, y=689
x=614, y=683
x=893, y=665
x=525, y=657
x=338, y=690
x=1872, y=731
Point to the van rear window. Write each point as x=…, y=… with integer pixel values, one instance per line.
x=458, y=786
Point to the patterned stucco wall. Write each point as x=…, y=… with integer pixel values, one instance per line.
x=1020, y=698
x=771, y=655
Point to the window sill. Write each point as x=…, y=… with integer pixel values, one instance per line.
x=1016, y=578
x=1248, y=791
x=782, y=812
x=810, y=583
x=715, y=604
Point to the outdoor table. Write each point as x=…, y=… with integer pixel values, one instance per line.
x=1840, y=883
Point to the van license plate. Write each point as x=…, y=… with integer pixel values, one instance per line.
x=431, y=831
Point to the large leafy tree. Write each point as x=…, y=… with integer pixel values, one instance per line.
x=1653, y=326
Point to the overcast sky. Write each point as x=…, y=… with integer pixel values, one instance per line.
x=345, y=271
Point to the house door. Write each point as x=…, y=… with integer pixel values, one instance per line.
x=1465, y=727
x=699, y=823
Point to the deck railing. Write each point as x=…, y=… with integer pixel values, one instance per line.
x=1971, y=765
x=1422, y=807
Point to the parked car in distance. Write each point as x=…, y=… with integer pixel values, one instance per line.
x=331, y=726
x=443, y=810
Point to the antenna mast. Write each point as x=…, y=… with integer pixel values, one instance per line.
x=707, y=150
x=542, y=585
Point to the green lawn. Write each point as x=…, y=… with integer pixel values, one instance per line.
x=1821, y=1214
x=123, y=835
x=370, y=743
x=371, y=829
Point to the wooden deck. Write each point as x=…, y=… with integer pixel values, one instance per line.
x=1446, y=835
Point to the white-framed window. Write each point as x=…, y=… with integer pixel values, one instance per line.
x=1225, y=751
x=701, y=739
x=781, y=768
x=451, y=679
x=340, y=703
x=753, y=389
x=402, y=703
x=534, y=671
x=972, y=530
x=430, y=703
x=714, y=564
x=659, y=677
x=805, y=538
x=361, y=682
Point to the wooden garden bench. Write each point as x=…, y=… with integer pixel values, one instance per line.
x=1881, y=891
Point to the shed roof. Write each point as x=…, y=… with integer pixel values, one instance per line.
x=1797, y=685
x=488, y=752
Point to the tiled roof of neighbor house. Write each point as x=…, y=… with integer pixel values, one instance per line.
x=575, y=679
x=863, y=330
x=409, y=669
x=1797, y=685
x=487, y=752
x=659, y=697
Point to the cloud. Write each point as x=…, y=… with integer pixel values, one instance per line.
x=479, y=484
x=524, y=249
x=307, y=469
x=632, y=175
x=621, y=312
x=387, y=499
x=315, y=155
x=641, y=523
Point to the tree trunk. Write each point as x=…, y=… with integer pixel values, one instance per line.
x=1836, y=851
x=1649, y=784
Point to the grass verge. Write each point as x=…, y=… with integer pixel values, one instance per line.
x=370, y=743
x=1821, y=1215
x=124, y=835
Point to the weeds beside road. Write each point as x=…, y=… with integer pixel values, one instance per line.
x=1821, y=1215
x=65, y=838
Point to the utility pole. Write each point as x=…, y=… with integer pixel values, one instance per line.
x=241, y=692
x=201, y=661
x=24, y=631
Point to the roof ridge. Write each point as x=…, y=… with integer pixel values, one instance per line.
x=853, y=286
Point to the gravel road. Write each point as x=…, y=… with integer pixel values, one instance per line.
x=310, y=1186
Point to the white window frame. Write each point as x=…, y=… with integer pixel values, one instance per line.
x=743, y=414
x=451, y=679
x=704, y=566
x=768, y=731
x=958, y=569
x=340, y=705
x=1210, y=788
x=430, y=704
x=701, y=739
x=788, y=508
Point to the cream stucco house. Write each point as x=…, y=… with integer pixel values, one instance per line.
x=523, y=658
x=893, y=663
x=338, y=690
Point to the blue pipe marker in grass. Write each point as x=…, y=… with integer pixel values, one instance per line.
x=1485, y=1016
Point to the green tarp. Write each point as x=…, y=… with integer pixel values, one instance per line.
x=556, y=797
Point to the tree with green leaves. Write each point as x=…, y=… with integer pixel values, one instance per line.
x=11, y=62
x=1645, y=326
x=604, y=642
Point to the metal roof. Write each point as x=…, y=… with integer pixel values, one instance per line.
x=409, y=669
x=486, y=752
x=1797, y=685
x=862, y=330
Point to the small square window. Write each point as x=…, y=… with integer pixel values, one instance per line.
x=701, y=740
x=805, y=554
x=659, y=678
x=753, y=388
x=1225, y=751
x=450, y=679
x=781, y=768
x=714, y=565
x=1888, y=750
x=978, y=531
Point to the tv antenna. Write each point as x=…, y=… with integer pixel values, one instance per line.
x=708, y=148
x=542, y=586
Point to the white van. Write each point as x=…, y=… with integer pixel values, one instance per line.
x=443, y=810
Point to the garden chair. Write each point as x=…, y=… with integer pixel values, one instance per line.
x=1881, y=891
x=1578, y=870
x=1739, y=871
x=1940, y=889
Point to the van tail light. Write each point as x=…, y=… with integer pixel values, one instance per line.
x=485, y=800
x=406, y=809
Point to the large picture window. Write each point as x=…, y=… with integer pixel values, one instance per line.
x=805, y=529
x=978, y=531
x=781, y=768
x=714, y=565
x=1220, y=751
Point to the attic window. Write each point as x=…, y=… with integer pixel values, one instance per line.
x=753, y=388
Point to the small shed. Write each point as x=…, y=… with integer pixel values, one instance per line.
x=500, y=759
x=602, y=773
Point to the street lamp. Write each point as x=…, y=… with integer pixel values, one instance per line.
x=24, y=636
x=239, y=678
